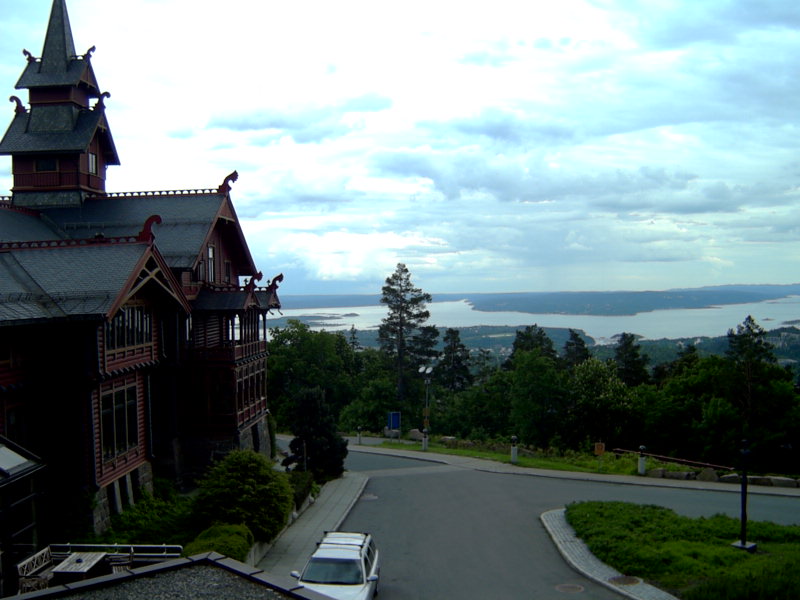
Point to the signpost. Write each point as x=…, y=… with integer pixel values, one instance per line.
x=393, y=423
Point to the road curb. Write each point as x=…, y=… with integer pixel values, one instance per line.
x=356, y=497
x=577, y=554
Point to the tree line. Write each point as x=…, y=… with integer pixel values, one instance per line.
x=695, y=407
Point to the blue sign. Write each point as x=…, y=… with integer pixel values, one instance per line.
x=394, y=420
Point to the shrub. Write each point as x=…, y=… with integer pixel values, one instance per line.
x=244, y=488
x=233, y=541
x=302, y=482
x=691, y=557
x=152, y=520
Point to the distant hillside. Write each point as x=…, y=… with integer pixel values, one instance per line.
x=576, y=303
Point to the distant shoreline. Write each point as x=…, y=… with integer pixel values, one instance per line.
x=572, y=303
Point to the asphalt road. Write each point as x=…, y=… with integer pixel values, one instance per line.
x=450, y=533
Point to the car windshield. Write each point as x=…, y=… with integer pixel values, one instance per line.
x=334, y=571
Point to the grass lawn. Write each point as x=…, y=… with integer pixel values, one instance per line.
x=691, y=558
x=570, y=461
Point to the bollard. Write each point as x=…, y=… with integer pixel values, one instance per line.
x=642, y=461
x=359, y=436
x=424, y=440
x=514, y=450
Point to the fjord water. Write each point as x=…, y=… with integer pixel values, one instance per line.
x=670, y=324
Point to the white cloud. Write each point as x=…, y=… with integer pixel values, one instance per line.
x=584, y=144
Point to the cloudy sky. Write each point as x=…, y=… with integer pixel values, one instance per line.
x=491, y=146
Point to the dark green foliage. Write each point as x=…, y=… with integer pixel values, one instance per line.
x=154, y=519
x=690, y=557
x=538, y=394
x=302, y=484
x=531, y=338
x=575, y=350
x=631, y=363
x=407, y=316
x=316, y=440
x=699, y=404
x=301, y=359
x=453, y=370
x=601, y=407
x=234, y=541
x=244, y=488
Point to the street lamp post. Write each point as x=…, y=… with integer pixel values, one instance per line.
x=426, y=412
x=743, y=544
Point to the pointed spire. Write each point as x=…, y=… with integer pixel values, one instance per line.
x=59, y=47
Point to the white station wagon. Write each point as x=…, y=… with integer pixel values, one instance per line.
x=345, y=566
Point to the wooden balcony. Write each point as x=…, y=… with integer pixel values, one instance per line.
x=252, y=412
x=229, y=353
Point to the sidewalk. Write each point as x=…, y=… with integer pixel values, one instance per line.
x=298, y=541
x=291, y=550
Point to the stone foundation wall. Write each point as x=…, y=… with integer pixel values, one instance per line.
x=256, y=438
x=119, y=494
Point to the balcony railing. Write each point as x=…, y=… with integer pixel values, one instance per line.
x=230, y=352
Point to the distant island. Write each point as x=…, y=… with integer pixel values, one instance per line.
x=619, y=303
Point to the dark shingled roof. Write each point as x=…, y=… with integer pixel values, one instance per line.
x=186, y=220
x=210, y=575
x=65, y=281
x=221, y=300
x=22, y=226
x=47, y=129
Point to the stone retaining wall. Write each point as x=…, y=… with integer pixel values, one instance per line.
x=712, y=475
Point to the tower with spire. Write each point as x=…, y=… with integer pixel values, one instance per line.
x=62, y=145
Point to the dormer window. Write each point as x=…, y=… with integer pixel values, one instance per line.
x=46, y=164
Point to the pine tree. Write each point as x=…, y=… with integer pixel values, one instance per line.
x=453, y=371
x=575, y=350
x=631, y=363
x=532, y=337
x=407, y=315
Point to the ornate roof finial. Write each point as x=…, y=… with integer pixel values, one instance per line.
x=251, y=285
x=146, y=234
x=88, y=54
x=101, y=100
x=273, y=285
x=225, y=187
x=20, y=109
x=30, y=57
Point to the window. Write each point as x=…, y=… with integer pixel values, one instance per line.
x=46, y=164
x=119, y=421
x=234, y=329
x=211, y=264
x=131, y=326
x=92, y=163
x=227, y=271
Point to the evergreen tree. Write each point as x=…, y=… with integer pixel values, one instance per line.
x=750, y=353
x=422, y=346
x=575, y=350
x=453, y=371
x=407, y=314
x=631, y=363
x=355, y=345
x=317, y=446
x=532, y=337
